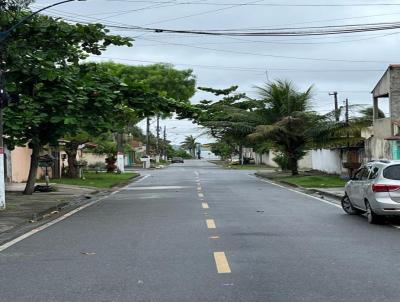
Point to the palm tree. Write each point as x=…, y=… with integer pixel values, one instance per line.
x=189, y=144
x=287, y=121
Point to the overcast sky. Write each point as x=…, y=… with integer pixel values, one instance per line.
x=248, y=62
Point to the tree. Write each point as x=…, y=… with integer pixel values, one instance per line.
x=223, y=149
x=171, y=152
x=43, y=68
x=231, y=118
x=287, y=123
x=14, y=5
x=161, y=79
x=367, y=115
x=189, y=144
x=140, y=95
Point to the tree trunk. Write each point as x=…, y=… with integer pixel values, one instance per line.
x=71, y=149
x=241, y=154
x=30, y=184
x=293, y=165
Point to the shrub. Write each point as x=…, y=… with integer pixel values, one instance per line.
x=282, y=161
x=98, y=166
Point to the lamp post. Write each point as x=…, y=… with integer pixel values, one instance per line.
x=3, y=99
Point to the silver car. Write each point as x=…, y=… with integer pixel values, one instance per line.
x=374, y=190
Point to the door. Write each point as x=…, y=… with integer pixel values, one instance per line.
x=355, y=187
x=364, y=184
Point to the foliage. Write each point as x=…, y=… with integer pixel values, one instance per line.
x=287, y=123
x=98, y=166
x=171, y=152
x=14, y=5
x=231, y=118
x=42, y=58
x=167, y=89
x=222, y=149
x=161, y=79
x=282, y=161
x=367, y=116
x=281, y=99
x=189, y=144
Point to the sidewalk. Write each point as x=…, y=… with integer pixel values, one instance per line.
x=28, y=211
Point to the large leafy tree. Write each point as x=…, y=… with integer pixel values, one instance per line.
x=145, y=91
x=230, y=119
x=161, y=79
x=42, y=58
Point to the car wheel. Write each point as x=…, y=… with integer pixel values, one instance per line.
x=372, y=217
x=347, y=206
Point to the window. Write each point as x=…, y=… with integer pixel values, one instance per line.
x=374, y=173
x=364, y=175
x=359, y=174
x=392, y=172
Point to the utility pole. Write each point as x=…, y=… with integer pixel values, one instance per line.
x=148, y=136
x=3, y=101
x=158, y=135
x=120, y=152
x=3, y=93
x=165, y=142
x=347, y=122
x=335, y=94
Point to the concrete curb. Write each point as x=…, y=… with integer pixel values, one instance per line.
x=327, y=194
x=308, y=191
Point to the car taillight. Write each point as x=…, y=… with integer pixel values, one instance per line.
x=384, y=188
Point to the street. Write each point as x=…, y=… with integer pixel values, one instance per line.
x=196, y=232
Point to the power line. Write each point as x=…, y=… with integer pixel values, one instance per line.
x=273, y=32
x=276, y=32
x=313, y=21
x=270, y=55
x=204, y=12
x=261, y=70
x=267, y=4
x=246, y=41
x=123, y=12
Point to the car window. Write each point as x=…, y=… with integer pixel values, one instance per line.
x=392, y=172
x=365, y=173
x=374, y=173
x=358, y=174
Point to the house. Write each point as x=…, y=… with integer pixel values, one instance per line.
x=133, y=156
x=382, y=140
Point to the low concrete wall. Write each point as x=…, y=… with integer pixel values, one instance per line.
x=20, y=163
x=324, y=160
x=328, y=161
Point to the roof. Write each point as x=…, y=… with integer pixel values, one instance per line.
x=382, y=88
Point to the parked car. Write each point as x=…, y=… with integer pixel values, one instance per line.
x=176, y=160
x=375, y=190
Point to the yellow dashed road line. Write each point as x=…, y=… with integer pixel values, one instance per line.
x=222, y=263
x=211, y=224
x=204, y=205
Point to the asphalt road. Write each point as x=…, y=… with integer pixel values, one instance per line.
x=155, y=241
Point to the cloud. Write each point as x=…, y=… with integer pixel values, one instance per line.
x=353, y=80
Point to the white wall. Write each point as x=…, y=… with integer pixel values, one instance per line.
x=209, y=155
x=328, y=161
x=324, y=160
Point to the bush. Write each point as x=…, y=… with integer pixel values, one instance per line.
x=282, y=161
x=98, y=166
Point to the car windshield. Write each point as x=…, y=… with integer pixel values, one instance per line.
x=392, y=172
